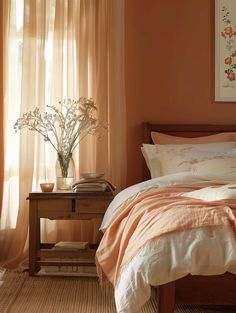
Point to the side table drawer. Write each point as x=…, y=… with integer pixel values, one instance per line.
x=53, y=207
x=91, y=206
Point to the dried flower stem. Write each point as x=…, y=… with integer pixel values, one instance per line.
x=64, y=128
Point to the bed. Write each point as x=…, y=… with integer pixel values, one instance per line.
x=219, y=289
x=182, y=287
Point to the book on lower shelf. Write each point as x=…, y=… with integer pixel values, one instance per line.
x=71, y=245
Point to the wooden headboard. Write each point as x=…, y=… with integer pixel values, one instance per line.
x=184, y=130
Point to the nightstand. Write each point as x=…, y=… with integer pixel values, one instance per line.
x=60, y=205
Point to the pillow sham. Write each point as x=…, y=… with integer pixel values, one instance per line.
x=163, y=139
x=213, y=193
x=169, y=159
x=221, y=166
x=150, y=154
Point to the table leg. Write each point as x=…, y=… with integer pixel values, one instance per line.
x=34, y=237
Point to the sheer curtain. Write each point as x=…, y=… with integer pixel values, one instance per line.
x=56, y=49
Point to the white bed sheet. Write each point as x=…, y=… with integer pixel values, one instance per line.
x=197, y=252
x=205, y=251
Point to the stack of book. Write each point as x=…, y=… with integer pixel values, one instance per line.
x=93, y=185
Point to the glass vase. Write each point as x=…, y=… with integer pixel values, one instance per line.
x=65, y=171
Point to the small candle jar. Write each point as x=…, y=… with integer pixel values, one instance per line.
x=47, y=187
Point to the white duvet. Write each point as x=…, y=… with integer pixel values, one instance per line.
x=202, y=251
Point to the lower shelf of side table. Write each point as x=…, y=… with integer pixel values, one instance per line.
x=47, y=256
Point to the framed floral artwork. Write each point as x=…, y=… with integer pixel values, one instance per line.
x=225, y=50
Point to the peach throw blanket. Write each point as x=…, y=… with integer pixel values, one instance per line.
x=154, y=213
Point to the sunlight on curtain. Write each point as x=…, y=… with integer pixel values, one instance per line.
x=11, y=112
x=56, y=49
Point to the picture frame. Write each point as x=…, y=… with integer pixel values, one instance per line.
x=225, y=50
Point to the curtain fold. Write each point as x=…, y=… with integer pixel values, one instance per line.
x=1, y=103
x=57, y=49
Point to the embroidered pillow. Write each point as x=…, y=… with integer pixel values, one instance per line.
x=169, y=159
x=221, y=166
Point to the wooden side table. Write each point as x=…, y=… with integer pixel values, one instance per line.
x=59, y=205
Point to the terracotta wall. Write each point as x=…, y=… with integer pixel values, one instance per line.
x=169, y=69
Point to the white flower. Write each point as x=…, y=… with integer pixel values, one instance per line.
x=63, y=128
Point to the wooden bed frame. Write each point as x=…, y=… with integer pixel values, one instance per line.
x=193, y=289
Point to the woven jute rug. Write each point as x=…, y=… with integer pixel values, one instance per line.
x=20, y=293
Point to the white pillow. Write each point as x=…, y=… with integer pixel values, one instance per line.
x=169, y=159
x=221, y=166
x=213, y=193
x=152, y=159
